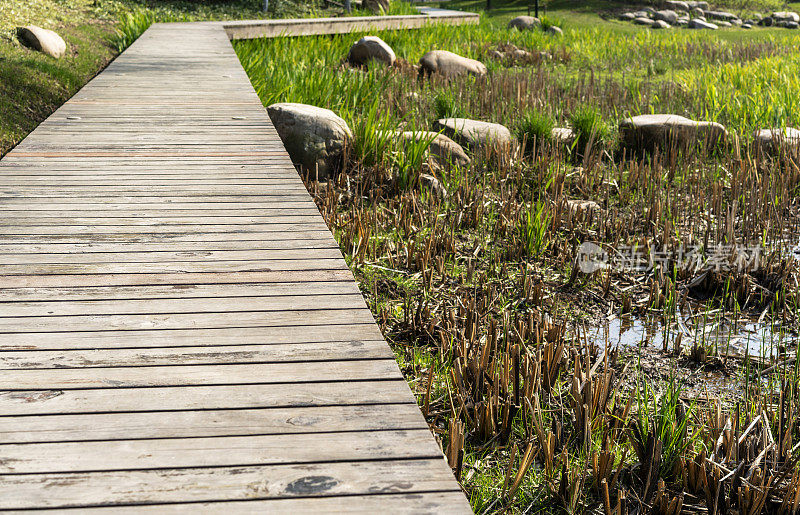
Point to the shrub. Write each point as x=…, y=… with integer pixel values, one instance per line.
x=372, y=136
x=589, y=127
x=446, y=106
x=534, y=126
x=549, y=21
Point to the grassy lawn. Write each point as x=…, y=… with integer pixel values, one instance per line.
x=546, y=386
x=33, y=85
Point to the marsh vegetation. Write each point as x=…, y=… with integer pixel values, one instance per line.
x=473, y=270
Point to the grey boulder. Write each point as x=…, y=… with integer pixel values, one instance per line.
x=315, y=138
x=676, y=5
x=555, y=31
x=370, y=48
x=576, y=207
x=701, y=24
x=667, y=130
x=475, y=133
x=524, y=23
x=563, y=135
x=647, y=22
x=661, y=24
x=720, y=15
x=786, y=16
x=442, y=149
x=43, y=40
x=450, y=64
x=668, y=16
x=777, y=140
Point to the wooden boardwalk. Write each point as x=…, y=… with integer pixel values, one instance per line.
x=178, y=329
x=250, y=29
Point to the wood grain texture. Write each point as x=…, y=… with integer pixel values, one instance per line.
x=314, y=488
x=178, y=328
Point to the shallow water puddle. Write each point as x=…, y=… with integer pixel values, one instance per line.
x=719, y=337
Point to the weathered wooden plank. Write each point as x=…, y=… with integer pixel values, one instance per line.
x=204, y=320
x=203, y=397
x=84, y=293
x=177, y=305
x=305, y=330
x=190, y=266
x=180, y=375
x=206, y=355
x=101, y=223
x=208, y=423
x=152, y=230
x=56, y=210
x=170, y=237
x=185, y=249
x=216, y=451
x=312, y=485
x=183, y=191
x=182, y=256
x=193, y=201
x=427, y=501
x=117, y=279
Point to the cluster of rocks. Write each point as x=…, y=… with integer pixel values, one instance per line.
x=533, y=23
x=442, y=62
x=698, y=15
x=512, y=53
x=42, y=40
x=785, y=19
x=316, y=138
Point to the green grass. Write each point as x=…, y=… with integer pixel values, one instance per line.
x=33, y=85
x=589, y=126
x=534, y=127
